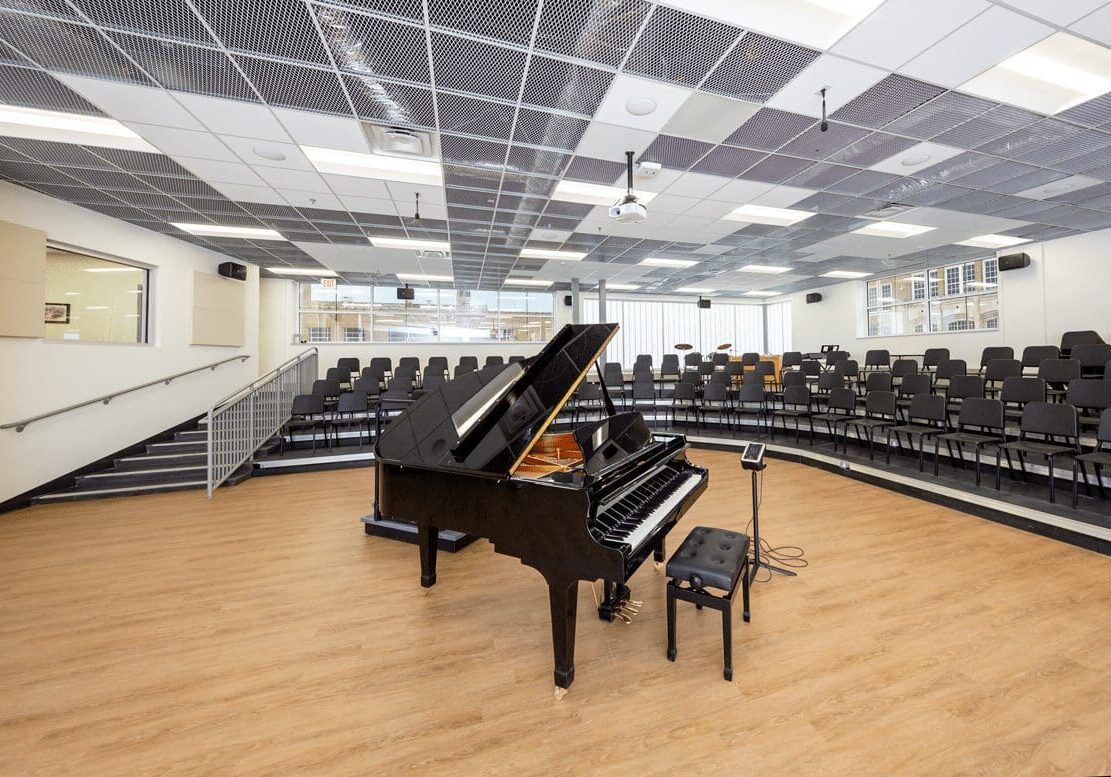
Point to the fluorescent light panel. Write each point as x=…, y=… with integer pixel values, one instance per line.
x=417, y=277
x=657, y=261
x=410, y=245
x=621, y=287
x=526, y=282
x=815, y=23
x=1053, y=75
x=594, y=194
x=543, y=253
x=994, y=241
x=765, y=269
x=217, y=230
x=762, y=293
x=696, y=290
x=35, y=124
x=759, y=214
x=892, y=229
x=845, y=274
x=380, y=166
x=321, y=273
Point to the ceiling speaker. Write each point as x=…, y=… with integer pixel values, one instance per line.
x=703, y=303
x=1014, y=262
x=406, y=293
x=233, y=270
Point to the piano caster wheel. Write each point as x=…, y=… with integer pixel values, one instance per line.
x=658, y=564
x=560, y=693
x=671, y=654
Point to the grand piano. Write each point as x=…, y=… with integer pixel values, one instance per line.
x=589, y=504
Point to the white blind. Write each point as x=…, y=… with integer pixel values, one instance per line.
x=779, y=327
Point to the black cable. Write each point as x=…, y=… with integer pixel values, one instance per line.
x=787, y=556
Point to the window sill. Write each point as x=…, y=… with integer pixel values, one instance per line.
x=930, y=334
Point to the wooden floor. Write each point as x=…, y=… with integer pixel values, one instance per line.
x=264, y=634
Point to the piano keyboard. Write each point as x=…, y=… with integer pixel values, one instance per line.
x=628, y=523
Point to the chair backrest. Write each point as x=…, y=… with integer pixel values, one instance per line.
x=766, y=369
x=791, y=359
x=349, y=363
x=850, y=368
x=982, y=413
x=965, y=387
x=913, y=385
x=1089, y=393
x=880, y=404
x=326, y=388
x=721, y=378
x=381, y=364
x=685, y=391
x=643, y=358
x=877, y=381
x=934, y=356
x=750, y=359
x=1092, y=357
x=405, y=372
x=470, y=362
x=307, y=404
x=1058, y=372
x=1018, y=390
x=1001, y=369
x=433, y=379
x=903, y=367
x=928, y=407
x=751, y=392
x=877, y=358
x=948, y=368
x=793, y=378
x=439, y=362
x=1107, y=371
x=1070, y=340
x=692, y=359
x=352, y=403
x=693, y=378
x=409, y=361
x=1050, y=419
x=715, y=392
x=834, y=357
x=810, y=367
x=719, y=358
x=338, y=374
x=1103, y=434
x=644, y=388
x=842, y=399
x=734, y=369
x=1033, y=355
x=705, y=368
x=613, y=375
x=398, y=388
x=669, y=365
x=515, y=359
x=828, y=381
x=367, y=386
x=374, y=372
x=995, y=352
x=463, y=369
x=494, y=361
x=797, y=395
x=590, y=392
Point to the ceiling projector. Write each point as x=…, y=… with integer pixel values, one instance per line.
x=628, y=210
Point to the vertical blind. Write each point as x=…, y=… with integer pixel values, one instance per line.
x=779, y=327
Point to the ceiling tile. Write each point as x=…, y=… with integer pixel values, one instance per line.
x=842, y=79
x=358, y=186
x=899, y=30
x=262, y=153
x=131, y=102
x=758, y=67
x=305, y=199
x=663, y=100
x=697, y=185
x=215, y=171
x=915, y=158
x=1055, y=11
x=317, y=129
x=709, y=117
x=606, y=141
x=1096, y=25
x=230, y=117
x=678, y=47
x=247, y=193
x=180, y=142
x=300, y=180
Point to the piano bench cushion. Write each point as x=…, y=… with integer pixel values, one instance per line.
x=712, y=557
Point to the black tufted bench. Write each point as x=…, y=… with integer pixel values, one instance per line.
x=712, y=558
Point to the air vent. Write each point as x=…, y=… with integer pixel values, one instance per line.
x=432, y=254
x=887, y=210
x=400, y=141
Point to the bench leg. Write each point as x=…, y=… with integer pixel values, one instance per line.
x=727, y=639
x=670, y=623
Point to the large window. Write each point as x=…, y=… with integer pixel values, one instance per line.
x=956, y=298
x=655, y=328
x=94, y=300
x=355, y=314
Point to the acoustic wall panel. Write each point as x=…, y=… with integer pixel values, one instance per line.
x=219, y=315
x=22, y=281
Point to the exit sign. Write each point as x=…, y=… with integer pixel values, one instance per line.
x=328, y=283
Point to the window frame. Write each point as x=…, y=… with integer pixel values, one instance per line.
x=147, y=333
x=939, y=283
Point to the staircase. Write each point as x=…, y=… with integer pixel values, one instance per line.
x=178, y=463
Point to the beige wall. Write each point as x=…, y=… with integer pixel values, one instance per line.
x=218, y=310
x=22, y=275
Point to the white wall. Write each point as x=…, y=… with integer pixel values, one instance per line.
x=37, y=376
x=1062, y=290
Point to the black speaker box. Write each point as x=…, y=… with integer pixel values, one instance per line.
x=567, y=300
x=703, y=303
x=233, y=270
x=406, y=293
x=1014, y=262
x=813, y=297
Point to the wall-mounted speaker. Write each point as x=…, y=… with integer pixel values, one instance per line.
x=233, y=270
x=1014, y=262
x=813, y=297
x=406, y=293
x=703, y=303
x=567, y=300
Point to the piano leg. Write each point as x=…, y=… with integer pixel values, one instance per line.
x=563, y=597
x=426, y=539
x=659, y=553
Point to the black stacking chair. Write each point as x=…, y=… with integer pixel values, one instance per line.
x=926, y=417
x=705, y=370
x=409, y=362
x=827, y=383
x=1070, y=340
x=719, y=359
x=797, y=405
x=994, y=352
x=1093, y=357
x=691, y=360
x=462, y=369
x=1090, y=397
x=349, y=363
x=980, y=425
x=1047, y=430
x=1099, y=458
x=875, y=381
x=962, y=387
x=439, y=362
x=876, y=359
x=642, y=362
x=833, y=358
x=715, y=401
x=353, y=410
x=879, y=413
x=515, y=359
x=840, y=408
x=643, y=372
x=749, y=359
x=395, y=398
x=793, y=378
x=367, y=386
x=494, y=361
x=751, y=401
x=849, y=370
x=589, y=400
x=736, y=373
x=997, y=371
x=693, y=378
x=381, y=365
x=1107, y=371
x=912, y=386
x=407, y=373
x=1018, y=392
x=433, y=379
x=791, y=360
x=669, y=368
x=933, y=357
x=812, y=369
x=341, y=376
x=900, y=369
x=328, y=389
x=644, y=393
x=1057, y=374
x=469, y=363
x=1034, y=355
x=947, y=370
x=307, y=413
x=614, y=378
x=375, y=373
x=685, y=398
x=766, y=370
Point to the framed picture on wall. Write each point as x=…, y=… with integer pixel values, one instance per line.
x=57, y=313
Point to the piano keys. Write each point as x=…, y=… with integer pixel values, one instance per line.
x=477, y=456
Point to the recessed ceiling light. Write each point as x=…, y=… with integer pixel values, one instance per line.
x=659, y=261
x=35, y=124
x=915, y=160
x=526, y=282
x=621, y=287
x=410, y=245
x=594, y=194
x=696, y=290
x=640, y=106
x=265, y=152
x=765, y=269
x=893, y=229
x=994, y=241
x=544, y=253
x=845, y=274
x=417, y=277
x=217, y=230
x=759, y=214
x=1053, y=75
x=762, y=293
x=388, y=168
x=321, y=273
x=815, y=23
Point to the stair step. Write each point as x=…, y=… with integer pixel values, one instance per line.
x=78, y=494
x=120, y=477
x=177, y=447
x=155, y=461
x=193, y=435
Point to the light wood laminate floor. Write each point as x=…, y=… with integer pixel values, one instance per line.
x=263, y=634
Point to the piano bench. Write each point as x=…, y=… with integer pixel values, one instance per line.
x=713, y=558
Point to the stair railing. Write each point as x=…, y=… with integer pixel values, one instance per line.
x=240, y=424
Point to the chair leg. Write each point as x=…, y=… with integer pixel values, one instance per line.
x=1052, y=479
x=670, y=622
x=937, y=450
x=999, y=468
x=1099, y=481
x=888, y=445
x=977, y=465
x=727, y=638
x=1076, y=465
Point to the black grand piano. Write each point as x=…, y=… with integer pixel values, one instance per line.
x=590, y=504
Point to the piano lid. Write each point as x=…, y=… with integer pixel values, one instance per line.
x=487, y=421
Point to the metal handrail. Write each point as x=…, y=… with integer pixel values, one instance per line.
x=263, y=378
x=19, y=426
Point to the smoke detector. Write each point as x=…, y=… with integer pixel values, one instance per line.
x=887, y=210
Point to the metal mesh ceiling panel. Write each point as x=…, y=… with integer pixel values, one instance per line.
x=296, y=86
x=36, y=89
x=186, y=68
x=70, y=48
x=164, y=18
x=394, y=104
x=565, y=86
x=939, y=115
x=472, y=116
x=679, y=47
x=987, y=127
x=594, y=30
x=816, y=144
x=758, y=67
x=768, y=129
x=885, y=102
x=871, y=149
x=472, y=66
x=821, y=176
x=675, y=152
x=510, y=22
x=729, y=161
x=279, y=28
x=595, y=170
x=356, y=41
x=776, y=169
x=548, y=129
